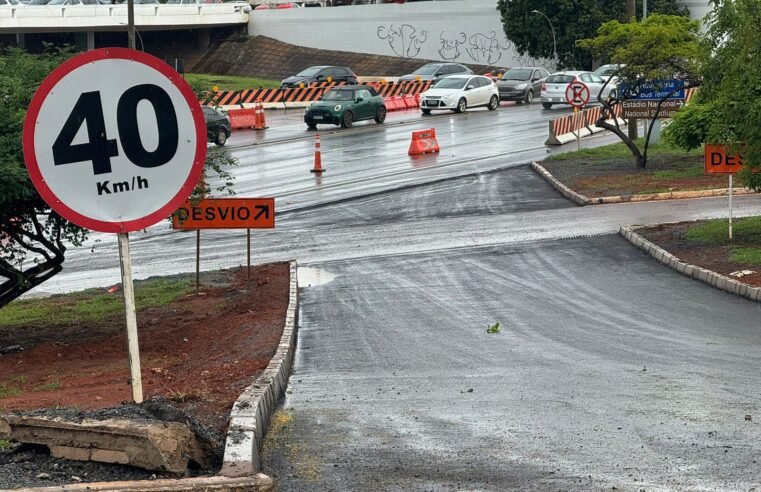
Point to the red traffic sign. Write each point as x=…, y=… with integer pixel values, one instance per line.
x=226, y=213
x=720, y=160
x=577, y=94
x=114, y=140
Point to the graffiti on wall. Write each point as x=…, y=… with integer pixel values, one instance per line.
x=405, y=41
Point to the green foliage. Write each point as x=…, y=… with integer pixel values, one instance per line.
x=621, y=151
x=716, y=232
x=493, y=329
x=730, y=96
x=661, y=47
x=230, y=82
x=5, y=445
x=746, y=256
x=572, y=20
x=93, y=305
x=9, y=391
x=50, y=386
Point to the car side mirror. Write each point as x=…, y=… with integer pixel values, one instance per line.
x=535, y=79
x=470, y=87
x=319, y=77
x=319, y=98
x=359, y=99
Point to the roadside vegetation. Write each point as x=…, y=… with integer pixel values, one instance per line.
x=231, y=82
x=92, y=305
x=745, y=247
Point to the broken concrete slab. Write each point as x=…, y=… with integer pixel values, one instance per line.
x=257, y=483
x=153, y=445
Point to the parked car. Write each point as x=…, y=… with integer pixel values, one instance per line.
x=608, y=71
x=218, y=128
x=436, y=71
x=11, y=3
x=73, y=2
x=460, y=92
x=521, y=84
x=553, y=90
x=497, y=73
x=346, y=104
x=321, y=73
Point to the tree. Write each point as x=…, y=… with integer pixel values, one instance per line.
x=727, y=110
x=662, y=47
x=33, y=238
x=572, y=20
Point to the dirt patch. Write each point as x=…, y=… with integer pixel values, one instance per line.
x=596, y=178
x=671, y=237
x=198, y=354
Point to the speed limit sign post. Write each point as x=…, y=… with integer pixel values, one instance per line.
x=115, y=141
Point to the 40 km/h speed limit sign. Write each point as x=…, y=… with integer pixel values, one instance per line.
x=114, y=140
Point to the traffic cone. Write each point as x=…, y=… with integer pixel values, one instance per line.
x=317, y=156
x=262, y=120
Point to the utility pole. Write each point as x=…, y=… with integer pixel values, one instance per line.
x=631, y=16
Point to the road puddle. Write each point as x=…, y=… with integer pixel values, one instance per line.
x=312, y=277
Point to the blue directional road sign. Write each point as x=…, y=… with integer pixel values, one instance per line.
x=654, y=90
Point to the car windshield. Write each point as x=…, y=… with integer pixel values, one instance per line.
x=339, y=95
x=606, y=70
x=309, y=72
x=517, y=74
x=426, y=70
x=560, y=78
x=451, y=83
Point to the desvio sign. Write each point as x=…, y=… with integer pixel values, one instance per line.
x=226, y=213
x=719, y=160
x=654, y=90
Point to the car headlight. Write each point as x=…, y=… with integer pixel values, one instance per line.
x=520, y=87
x=337, y=107
x=449, y=98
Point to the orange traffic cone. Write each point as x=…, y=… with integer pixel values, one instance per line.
x=317, y=156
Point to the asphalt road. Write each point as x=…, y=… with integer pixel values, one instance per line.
x=609, y=370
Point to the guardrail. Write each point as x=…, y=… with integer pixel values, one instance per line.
x=42, y=18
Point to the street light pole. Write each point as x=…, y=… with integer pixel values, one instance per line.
x=554, y=41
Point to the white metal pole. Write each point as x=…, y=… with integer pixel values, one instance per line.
x=578, y=128
x=730, y=205
x=133, y=346
x=644, y=9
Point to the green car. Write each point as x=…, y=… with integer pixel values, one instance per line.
x=344, y=105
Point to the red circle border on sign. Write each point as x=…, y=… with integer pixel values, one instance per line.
x=585, y=88
x=30, y=156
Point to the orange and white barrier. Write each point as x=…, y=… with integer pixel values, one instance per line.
x=424, y=142
x=242, y=118
x=566, y=128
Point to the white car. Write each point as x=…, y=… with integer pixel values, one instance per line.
x=460, y=92
x=553, y=90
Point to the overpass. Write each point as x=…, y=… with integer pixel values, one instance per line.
x=85, y=20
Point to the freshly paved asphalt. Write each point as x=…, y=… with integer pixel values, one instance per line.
x=609, y=371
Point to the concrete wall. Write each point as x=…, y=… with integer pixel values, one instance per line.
x=465, y=31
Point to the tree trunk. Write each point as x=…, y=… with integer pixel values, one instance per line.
x=20, y=282
x=631, y=10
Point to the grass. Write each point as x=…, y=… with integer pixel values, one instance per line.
x=4, y=445
x=7, y=391
x=621, y=151
x=93, y=305
x=746, y=256
x=716, y=232
x=232, y=82
x=51, y=386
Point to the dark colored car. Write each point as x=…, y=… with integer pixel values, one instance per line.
x=346, y=104
x=521, y=84
x=436, y=71
x=321, y=73
x=218, y=127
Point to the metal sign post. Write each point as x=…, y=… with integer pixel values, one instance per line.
x=577, y=125
x=87, y=158
x=730, y=205
x=720, y=160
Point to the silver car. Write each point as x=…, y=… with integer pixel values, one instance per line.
x=553, y=90
x=521, y=84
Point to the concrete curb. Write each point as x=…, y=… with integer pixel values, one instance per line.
x=563, y=189
x=722, y=282
x=671, y=195
x=251, y=413
x=257, y=483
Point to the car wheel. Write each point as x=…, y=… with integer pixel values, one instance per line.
x=221, y=137
x=311, y=125
x=380, y=115
x=347, y=120
x=546, y=105
x=529, y=97
x=462, y=105
x=493, y=103
x=426, y=112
